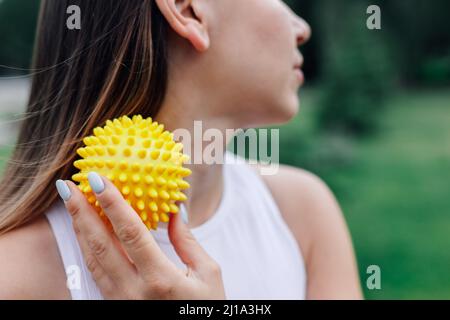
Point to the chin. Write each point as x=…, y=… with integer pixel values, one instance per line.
x=280, y=116
x=277, y=113
x=288, y=110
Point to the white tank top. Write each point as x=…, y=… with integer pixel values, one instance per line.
x=246, y=236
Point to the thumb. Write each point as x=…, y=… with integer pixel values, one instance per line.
x=186, y=246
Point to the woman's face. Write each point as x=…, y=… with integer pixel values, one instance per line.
x=253, y=62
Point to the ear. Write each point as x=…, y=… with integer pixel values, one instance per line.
x=187, y=19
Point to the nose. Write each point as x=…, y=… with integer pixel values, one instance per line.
x=302, y=30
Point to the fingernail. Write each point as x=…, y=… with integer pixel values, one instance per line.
x=63, y=190
x=96, y=182
x=184, y=214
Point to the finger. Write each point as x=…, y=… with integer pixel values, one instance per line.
x=99, y=275
x=132, y=233
x=95, y=234
x=186, y=246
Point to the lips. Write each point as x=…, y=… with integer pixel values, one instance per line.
x=298, y=61
x=298, y=70
x=299, y=74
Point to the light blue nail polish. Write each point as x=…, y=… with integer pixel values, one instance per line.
x=96, y=182
x=184, y=214
x=63, y=190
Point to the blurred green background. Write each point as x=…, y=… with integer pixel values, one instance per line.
x=374, y=124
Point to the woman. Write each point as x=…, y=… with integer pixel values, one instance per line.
x=228, y=63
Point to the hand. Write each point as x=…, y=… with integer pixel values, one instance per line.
x=128, y=264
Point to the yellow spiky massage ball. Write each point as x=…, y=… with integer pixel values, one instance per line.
x=144, y=163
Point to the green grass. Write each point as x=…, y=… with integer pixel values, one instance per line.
x=394, y=189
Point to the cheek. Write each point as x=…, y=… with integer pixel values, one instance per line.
x=271, y=39
x=257, y=48
x=272, y=63
x=263, y=46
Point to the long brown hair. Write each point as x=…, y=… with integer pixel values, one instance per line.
x=115, y=65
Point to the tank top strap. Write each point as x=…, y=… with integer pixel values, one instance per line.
x=80, y=282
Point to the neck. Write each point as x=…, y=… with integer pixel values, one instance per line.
x=206, y=180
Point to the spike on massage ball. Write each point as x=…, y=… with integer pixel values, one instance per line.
x=144, y=163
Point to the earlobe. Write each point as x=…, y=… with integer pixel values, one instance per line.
x=199, y=37
x=187, y=20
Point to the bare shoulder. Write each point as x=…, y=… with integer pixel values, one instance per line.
x=295, y=188
x=314, y=216
x=305, y=201
x=31, y=267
